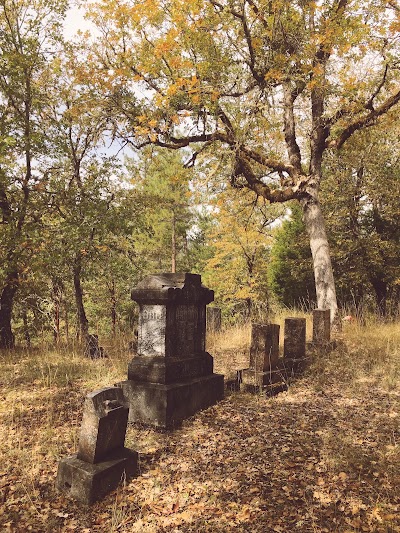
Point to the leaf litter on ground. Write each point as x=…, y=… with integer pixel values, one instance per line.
x=312, y=459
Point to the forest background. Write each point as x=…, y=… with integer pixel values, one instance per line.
x=92, y=199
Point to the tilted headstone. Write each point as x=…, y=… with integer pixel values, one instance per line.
x=171, y=377
x=264, y=356
x=104, y=423
x=214, y=319
x=102, y=461
x=321, y=326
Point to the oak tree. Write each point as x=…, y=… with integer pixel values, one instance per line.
x=274, y=84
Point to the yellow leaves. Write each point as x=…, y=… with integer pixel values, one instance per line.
x=141, y=130
x=146, y=126
x=195, y=97
x=257, y=43
x=172, y=89
x=394, y=27
x=274, y=75
x=214, y=95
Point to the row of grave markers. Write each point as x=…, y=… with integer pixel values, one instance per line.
x=170, y=379
x=270, y=372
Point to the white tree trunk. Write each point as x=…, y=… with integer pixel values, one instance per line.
x=324, y=281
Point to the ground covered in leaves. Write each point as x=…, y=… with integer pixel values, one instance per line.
x=322, y=457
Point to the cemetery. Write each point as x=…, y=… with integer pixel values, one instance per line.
x=199, y=266
x=160, y=426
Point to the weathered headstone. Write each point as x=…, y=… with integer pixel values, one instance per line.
x=264, y=356
x=321, y=326
x=171, y=377
x=102, y=461
x=294, y=347
x=264, y=347
x=214, y=319
x=92, y=348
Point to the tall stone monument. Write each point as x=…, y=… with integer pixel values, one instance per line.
x=171, y=378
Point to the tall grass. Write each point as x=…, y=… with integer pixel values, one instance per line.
x=43, y=390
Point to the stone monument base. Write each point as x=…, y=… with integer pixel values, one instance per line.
x=254, y=379
x=166, y=406
x=87, y=483
x=293, y=366
x=171, y=370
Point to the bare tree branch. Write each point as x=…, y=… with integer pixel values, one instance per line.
x=290, y=127
x=365, y=121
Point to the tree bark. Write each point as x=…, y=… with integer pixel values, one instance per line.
x=323, y=273
x=66, y=318
x=10, y=287
x=57, y=298
x=113, y=308
x=26, y=329
x=83, y=324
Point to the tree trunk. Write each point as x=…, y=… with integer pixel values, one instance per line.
x=57, y=298
x=7, y=339
x=26, y=329
x=66, y=318
x=83, y=324
x=113, y=308
x=323, y=274
x=173, y=244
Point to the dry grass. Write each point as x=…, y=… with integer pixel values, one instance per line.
x=323, y=457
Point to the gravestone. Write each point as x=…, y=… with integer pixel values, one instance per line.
x=321, y=326
x=171, y=377
x=102, y=461
x=92, y=348
x=214, y=319
x=294, y=347
x=264, y=356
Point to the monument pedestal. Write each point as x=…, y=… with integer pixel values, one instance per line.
x=252, y=378
x=88, y=483
x=167, y=405
x=171, y=378
x=171, y=370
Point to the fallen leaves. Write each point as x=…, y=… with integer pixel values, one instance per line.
x=303, y=461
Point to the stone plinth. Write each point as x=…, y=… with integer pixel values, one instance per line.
x=88, y=483
x=102, y=461
x=171, y=377
x=321, y=326
x=214, y=319
x=295, y=338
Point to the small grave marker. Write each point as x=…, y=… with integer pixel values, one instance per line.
x=294, y=347
x=102, y=461
x=214, y=319
x=321, y=326
x=264, y=356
